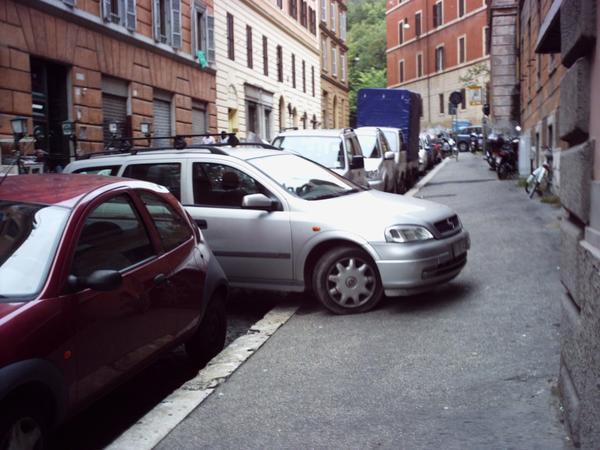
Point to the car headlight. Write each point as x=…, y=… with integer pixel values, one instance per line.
x=407, y=233
x=372, y=174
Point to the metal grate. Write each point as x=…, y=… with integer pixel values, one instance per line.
x=448, y=226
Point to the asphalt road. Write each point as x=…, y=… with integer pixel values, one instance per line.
x=473, y=364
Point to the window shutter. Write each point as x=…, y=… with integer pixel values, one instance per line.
x=176, y=23
x=106, y=10
x=210, y=38
x=69, y=2
x=130, y=20
x=155, y=19
x=194, y=13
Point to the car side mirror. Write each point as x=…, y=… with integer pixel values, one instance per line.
x=99, y=280
x=388, y=155
x=259, y=201
x=357, y=162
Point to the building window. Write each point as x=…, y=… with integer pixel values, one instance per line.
x=293, y=70
x=463, y=102
x=486, y=37
x=419, y=65
x=323, y=10
x=312, y=79
x=461, y=8
x=334, y=61
x=279, y=63
x=441, y=98
x=343, y=66
x=324, y=54
x=121, y=12
x=167, y=22
x=265, y=56
x=280, y=4
x=249, y=57
x=304, y=76
x=438, y=14
x=303, y=13
x=461, y=49
x=401, y=71
x=439, y=58
x=312, y=20
x=418, y=24
x=203, y=34
x=333, y=16
x=401, y=32
x=230, y=35
x=343, y=26
x=293, y=8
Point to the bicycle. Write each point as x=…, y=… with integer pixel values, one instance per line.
x=538, y=181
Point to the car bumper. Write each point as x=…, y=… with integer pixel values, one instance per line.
x=416, y=267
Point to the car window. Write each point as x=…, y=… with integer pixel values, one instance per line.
x=172, y=227
x=166, y=174
x=100, y=170
x=326, y=150
x=384, y=143
x=391, y=139
x=113, y=237
x=368, y=144
x=222, y=185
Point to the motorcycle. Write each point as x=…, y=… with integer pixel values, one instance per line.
x=506, y=162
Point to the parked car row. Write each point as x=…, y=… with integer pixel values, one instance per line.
x=100, y=274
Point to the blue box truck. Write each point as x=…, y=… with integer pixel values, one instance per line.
x=398, y=108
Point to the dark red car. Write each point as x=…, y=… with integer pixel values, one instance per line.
x=98, y=275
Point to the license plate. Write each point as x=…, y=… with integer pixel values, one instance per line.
x=459, y=248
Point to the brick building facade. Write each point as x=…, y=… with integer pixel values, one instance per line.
x=430, y=46
x=334, y=64
x=95, y=62
x=569, y=32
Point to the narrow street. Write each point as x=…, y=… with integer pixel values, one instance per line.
x=472, y=365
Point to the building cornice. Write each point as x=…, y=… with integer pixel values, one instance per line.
x=432, y=32
x=443, y=72
x=335, y=82
x=92, y=22
x=334, y=37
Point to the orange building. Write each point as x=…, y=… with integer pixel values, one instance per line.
x=100, y=62
x=431, y=45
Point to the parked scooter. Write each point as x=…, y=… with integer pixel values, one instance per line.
x=507, y=159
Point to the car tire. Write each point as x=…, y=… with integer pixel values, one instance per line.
x=463, y=146
x=209, y=338
x=23, y=424
x=346, y=281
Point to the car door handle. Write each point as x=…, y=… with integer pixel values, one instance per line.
x=201, y=224
x=160, y=279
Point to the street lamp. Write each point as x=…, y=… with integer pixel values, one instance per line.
x=19, y=128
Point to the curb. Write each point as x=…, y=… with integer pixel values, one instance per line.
x=423, y=181
x=172, y=410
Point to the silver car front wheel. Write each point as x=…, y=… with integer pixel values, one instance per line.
x=346, y=281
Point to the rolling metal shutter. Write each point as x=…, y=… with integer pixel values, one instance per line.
x=162, y=121
x=114, y=109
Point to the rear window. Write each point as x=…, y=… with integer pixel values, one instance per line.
x=100, y=170
x=165, y=174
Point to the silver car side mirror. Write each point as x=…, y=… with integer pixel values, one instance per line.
x=388, y=155
x=258, y=201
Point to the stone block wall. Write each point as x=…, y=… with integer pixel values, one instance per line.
x=579, y=379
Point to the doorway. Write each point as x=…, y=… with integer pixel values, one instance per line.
x=49, y=92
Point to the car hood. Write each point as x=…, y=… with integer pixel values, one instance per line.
x=368, y=213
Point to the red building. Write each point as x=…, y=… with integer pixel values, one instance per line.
x=432, y=46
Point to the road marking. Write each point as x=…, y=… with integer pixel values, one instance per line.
x=423, y=181
x=172, y=410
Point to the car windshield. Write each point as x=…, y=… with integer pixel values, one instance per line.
x=325, y=150
x=29, y=235
x=303, y=178
x=391, y=138
x=368, y=143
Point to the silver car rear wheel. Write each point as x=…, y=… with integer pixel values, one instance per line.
x=346, y=281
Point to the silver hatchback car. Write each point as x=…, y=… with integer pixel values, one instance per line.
x=278, y=221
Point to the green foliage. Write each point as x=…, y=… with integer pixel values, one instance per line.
x=366, y=46
x=477, y=75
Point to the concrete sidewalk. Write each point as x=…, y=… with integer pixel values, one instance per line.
x=470, y=365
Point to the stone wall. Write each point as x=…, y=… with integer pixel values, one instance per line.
x=579, y=380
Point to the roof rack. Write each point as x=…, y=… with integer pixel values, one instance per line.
x=179, y=143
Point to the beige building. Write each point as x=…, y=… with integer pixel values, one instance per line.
x=334, y=75
x=267, y=56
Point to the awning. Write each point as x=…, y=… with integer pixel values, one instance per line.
x=549, y=35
